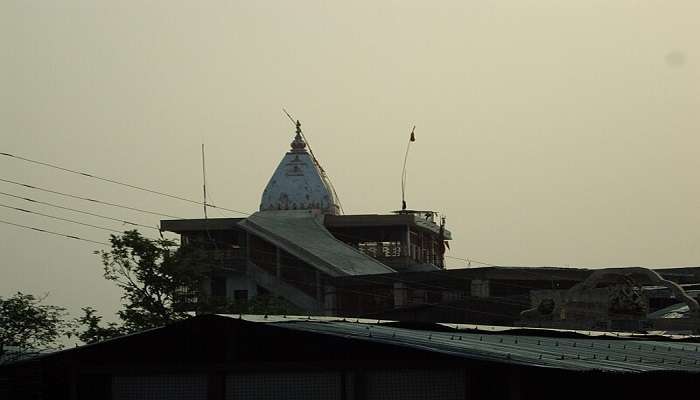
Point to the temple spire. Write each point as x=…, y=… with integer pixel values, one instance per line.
x=298, y=145
x=299, y=183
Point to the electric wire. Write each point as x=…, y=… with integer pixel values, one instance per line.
x=88, y=199
x=54, y=233
x=116, y=182
x=129, y=208
x=60, y=219
x=79, y=211
x=113, y=181
x=471, y=260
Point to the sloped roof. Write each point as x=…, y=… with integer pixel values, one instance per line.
x=577, y=352
x=301, y=233
x=529, y=347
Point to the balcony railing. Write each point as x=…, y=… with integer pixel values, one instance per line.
x=229, y=258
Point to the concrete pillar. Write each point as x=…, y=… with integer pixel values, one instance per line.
x=330, y=300
x=408, y=243
x=319, y=288
x=400, y=294
x=247, y=245
x=480, y=288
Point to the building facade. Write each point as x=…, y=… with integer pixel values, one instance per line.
x=299, y=241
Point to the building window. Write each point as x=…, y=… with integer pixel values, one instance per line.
x=218, y=287
x=240, y=295
x=380, y=249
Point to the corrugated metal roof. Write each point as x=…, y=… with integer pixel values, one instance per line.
x=601, y=353
x=678, y=310
x=301, y=234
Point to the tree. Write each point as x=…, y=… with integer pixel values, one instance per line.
x=152, y=273
x=93, y=332
x=158, y=278
x=29, y=325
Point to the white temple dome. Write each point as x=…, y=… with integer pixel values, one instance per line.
x=298, y=183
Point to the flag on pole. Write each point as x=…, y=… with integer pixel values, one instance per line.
x=413, y=135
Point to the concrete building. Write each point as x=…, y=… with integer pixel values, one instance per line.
x=299, y=241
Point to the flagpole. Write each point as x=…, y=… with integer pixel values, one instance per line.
x=412, y=138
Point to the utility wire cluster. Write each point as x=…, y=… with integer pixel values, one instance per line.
x=143, y=211
x=153, y=213
x=121, y=206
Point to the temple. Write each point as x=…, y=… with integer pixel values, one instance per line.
x=299, y=241
x=302, y=249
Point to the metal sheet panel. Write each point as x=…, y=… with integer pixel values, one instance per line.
x=416, y=384
x=291, y=386
x=577, y=353
x=159, y=387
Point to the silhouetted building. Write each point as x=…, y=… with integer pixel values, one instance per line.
x=299, y=241
x=216, y=357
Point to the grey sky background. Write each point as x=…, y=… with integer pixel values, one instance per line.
x=548, y=132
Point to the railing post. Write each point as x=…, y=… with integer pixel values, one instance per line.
x=278, y=264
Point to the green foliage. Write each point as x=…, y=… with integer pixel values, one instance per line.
x=160, y=282
x=91, y=331
x=28, y=324
x=151, y=273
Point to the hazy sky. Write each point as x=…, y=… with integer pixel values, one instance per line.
x=549, y=132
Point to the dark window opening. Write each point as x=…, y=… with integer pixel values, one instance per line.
x=240, y=295
x=218, y=287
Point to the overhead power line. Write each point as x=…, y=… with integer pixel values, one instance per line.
x=471, y=260
x=60, y=218
x=88, y=199
x=54, y=233
x=144, y=189
x=79, y=211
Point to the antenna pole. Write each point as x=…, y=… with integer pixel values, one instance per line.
x=289, y=116
x=403, y=172
x=204, y=183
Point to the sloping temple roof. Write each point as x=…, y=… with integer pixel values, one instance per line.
x=302, y=234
